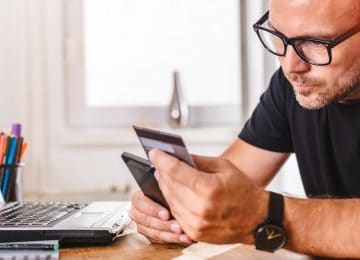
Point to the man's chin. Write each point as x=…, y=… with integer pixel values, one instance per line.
x=310, y=102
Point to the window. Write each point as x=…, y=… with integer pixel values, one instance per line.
x=121, y=55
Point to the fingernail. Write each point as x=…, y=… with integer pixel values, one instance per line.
x=175, y=227
x=151, y=154
x=184, y=239
x=156, y=175
x=164, y=214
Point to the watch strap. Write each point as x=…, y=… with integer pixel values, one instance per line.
x=276, y=209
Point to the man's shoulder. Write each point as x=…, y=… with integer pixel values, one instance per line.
x=268, y=128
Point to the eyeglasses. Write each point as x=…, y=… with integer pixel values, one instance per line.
x=312, y=50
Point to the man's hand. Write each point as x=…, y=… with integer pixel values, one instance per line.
x=154, y=222
x=213, y=203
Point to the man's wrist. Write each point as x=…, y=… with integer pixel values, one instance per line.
x=260, y=209
x=270, y=234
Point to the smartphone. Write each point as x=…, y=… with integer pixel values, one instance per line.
x=170, y=143
x=143, y=173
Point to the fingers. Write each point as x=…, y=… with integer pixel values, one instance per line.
x=165, y=162
x=159, y=236
x=153, y=222
x=180, y=172
x=206, y=164
x=149, y=207
x=175, y=175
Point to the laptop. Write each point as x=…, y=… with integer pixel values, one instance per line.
x=69, y=222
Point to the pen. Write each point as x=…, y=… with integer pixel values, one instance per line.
x=2, y=152
x=11, y=190
x=9, y=161
x=2, y=146
x=39, y=245
x=18, y=151
x=4, y=158
x=23, y=150
x=16, y=129
x=6, y=149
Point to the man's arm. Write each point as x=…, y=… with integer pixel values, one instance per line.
x=315, y=226
x=259, y=165
x=323, y=227
x=154, y=221
x=218, y=203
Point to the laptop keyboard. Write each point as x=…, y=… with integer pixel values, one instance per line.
x=37, y=213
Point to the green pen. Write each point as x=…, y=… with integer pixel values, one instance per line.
x=31, y=245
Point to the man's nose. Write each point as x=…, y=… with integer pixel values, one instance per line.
x=292, y=63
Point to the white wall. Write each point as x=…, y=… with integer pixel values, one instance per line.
x=12, y=63
x=16, y=93
x=65, y=159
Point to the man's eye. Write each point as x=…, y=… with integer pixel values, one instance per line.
x=310, y=44
x=318, y=44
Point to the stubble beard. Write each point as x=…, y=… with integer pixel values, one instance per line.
x=326, y=94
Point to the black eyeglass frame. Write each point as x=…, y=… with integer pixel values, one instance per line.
x=329, y=44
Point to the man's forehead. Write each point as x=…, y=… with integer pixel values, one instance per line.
x=314, y=18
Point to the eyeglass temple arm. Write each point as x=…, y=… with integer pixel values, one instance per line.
x=344, y=36
x=262, y=19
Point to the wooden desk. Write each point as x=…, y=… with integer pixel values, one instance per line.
x=135, y=246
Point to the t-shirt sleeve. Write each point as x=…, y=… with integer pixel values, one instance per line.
x=268, y=126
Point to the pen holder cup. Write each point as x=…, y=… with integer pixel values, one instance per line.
x=10, y=176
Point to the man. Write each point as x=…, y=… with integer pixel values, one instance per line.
x=311, y=108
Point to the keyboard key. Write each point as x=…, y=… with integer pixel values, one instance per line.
x=37, y=213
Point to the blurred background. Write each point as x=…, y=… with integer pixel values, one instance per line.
x=78, y=74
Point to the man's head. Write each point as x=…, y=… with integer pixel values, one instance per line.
x=317, y=86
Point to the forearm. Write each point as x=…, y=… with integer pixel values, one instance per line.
x=323, y=227
x=259, y=165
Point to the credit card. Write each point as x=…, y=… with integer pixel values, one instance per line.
x=167, y=142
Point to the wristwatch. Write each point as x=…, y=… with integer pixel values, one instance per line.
x=270, y=235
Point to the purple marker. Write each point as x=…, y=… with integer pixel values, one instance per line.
x=16, y=129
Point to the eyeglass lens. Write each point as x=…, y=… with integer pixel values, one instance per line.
x=312, y=51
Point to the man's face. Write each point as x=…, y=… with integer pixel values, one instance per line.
x=318, y=86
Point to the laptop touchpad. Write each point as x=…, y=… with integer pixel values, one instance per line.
x=87, y=219
x=82, y=219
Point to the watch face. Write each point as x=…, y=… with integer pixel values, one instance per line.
x=269, y=237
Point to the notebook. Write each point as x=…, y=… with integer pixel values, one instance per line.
x=69, y=222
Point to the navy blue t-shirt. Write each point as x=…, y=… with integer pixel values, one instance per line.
x=326, y=141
